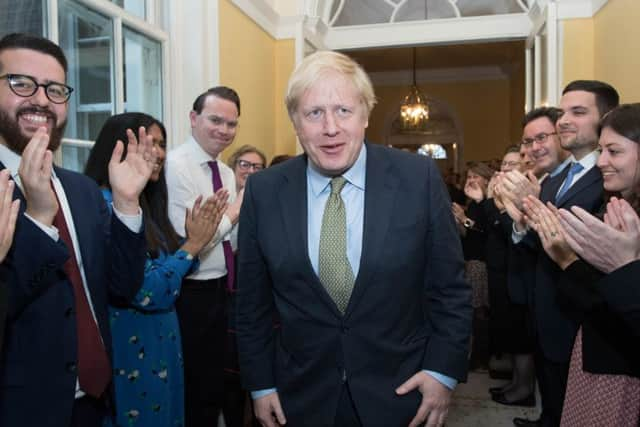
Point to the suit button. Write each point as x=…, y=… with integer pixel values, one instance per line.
x=68, y=312
x=71, y=367
x=345, y=329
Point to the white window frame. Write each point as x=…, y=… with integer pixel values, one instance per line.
x=148, y=27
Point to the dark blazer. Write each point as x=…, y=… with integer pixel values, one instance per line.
x=38, y=371
x=3, y=310
x=609, y=308
x=409, y=310
x=556, y=321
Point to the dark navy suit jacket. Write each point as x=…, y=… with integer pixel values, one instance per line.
x=410, y=307
x=38, y=368
x=555, y=319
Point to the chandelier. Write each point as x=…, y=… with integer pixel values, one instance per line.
x=414, y=111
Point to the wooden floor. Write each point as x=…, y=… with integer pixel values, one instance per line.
x=472, y=405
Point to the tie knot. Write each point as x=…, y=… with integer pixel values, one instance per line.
x=576, y=168
x=212, y=164
x=337, y=184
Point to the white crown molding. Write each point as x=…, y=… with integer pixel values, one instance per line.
x=262, y=13
x=494, y=27
x=442, y=75
x=574, y=9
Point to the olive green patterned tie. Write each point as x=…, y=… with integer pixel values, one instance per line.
x=334, y=269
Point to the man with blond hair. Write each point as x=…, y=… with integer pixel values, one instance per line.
x=353, y=247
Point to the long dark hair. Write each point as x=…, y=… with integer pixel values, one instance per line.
x=625, y=121
x=159, y=232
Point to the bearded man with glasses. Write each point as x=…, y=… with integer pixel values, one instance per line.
x=69, y=255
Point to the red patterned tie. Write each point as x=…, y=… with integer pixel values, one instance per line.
x=226, y=245
x=94, y=369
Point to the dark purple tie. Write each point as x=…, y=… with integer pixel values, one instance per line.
x=226, y=245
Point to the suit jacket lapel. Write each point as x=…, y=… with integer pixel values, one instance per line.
x=293, y=205
x=551, y=185
x=380, y=192
x=17, y=193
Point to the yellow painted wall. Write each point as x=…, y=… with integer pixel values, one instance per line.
x=578, y=53
x=617, y=47
x=605, y=48
x=257, y=67
x=483, y=108
x=285, y=137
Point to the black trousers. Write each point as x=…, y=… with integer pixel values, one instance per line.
x=202, y=313
x=88, y=412
x=552, y=379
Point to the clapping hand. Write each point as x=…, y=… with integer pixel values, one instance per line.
x=544, y=221
x=8, y=213
x=606, y=245
x=129, y=176
x=474, y=191
x=36, y=166
x=202, y=221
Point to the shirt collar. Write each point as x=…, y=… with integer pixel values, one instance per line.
x=10, y=159
x=587, y=161
x=198, y=154
x=560, y=167
x=355, y=175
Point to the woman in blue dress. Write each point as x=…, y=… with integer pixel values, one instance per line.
x=147, y=351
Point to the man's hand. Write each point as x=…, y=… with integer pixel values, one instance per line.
x=605, y=245
x=129, y=176
x=269, y=411
x=8, y=213
x=515, y=186
x=435, y=399
x=35, y=170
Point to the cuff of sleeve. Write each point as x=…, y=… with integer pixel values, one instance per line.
x=448, y=382
x=133, y=222
x=516, y=235
x=261, y=393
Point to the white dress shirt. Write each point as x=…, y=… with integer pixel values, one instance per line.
x=188, y=176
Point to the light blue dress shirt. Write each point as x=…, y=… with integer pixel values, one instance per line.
x=318, y=191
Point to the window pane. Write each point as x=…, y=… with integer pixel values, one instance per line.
x=24, y=16
x=75, y=158
x=142, y=74
x=135, y=7
x=87, y=39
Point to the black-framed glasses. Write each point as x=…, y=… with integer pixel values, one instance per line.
x=26, y=86
x=539, y=138
x=245, y=165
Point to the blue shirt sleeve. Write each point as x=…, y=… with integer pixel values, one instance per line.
x=261, y=393
x=448, y=382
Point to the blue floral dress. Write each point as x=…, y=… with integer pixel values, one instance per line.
x=147, y=350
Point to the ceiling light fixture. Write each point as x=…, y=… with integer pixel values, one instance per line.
x=414, y=111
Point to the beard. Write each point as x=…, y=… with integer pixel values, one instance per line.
x=16, y=141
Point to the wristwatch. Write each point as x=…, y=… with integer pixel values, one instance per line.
x=468, y=223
